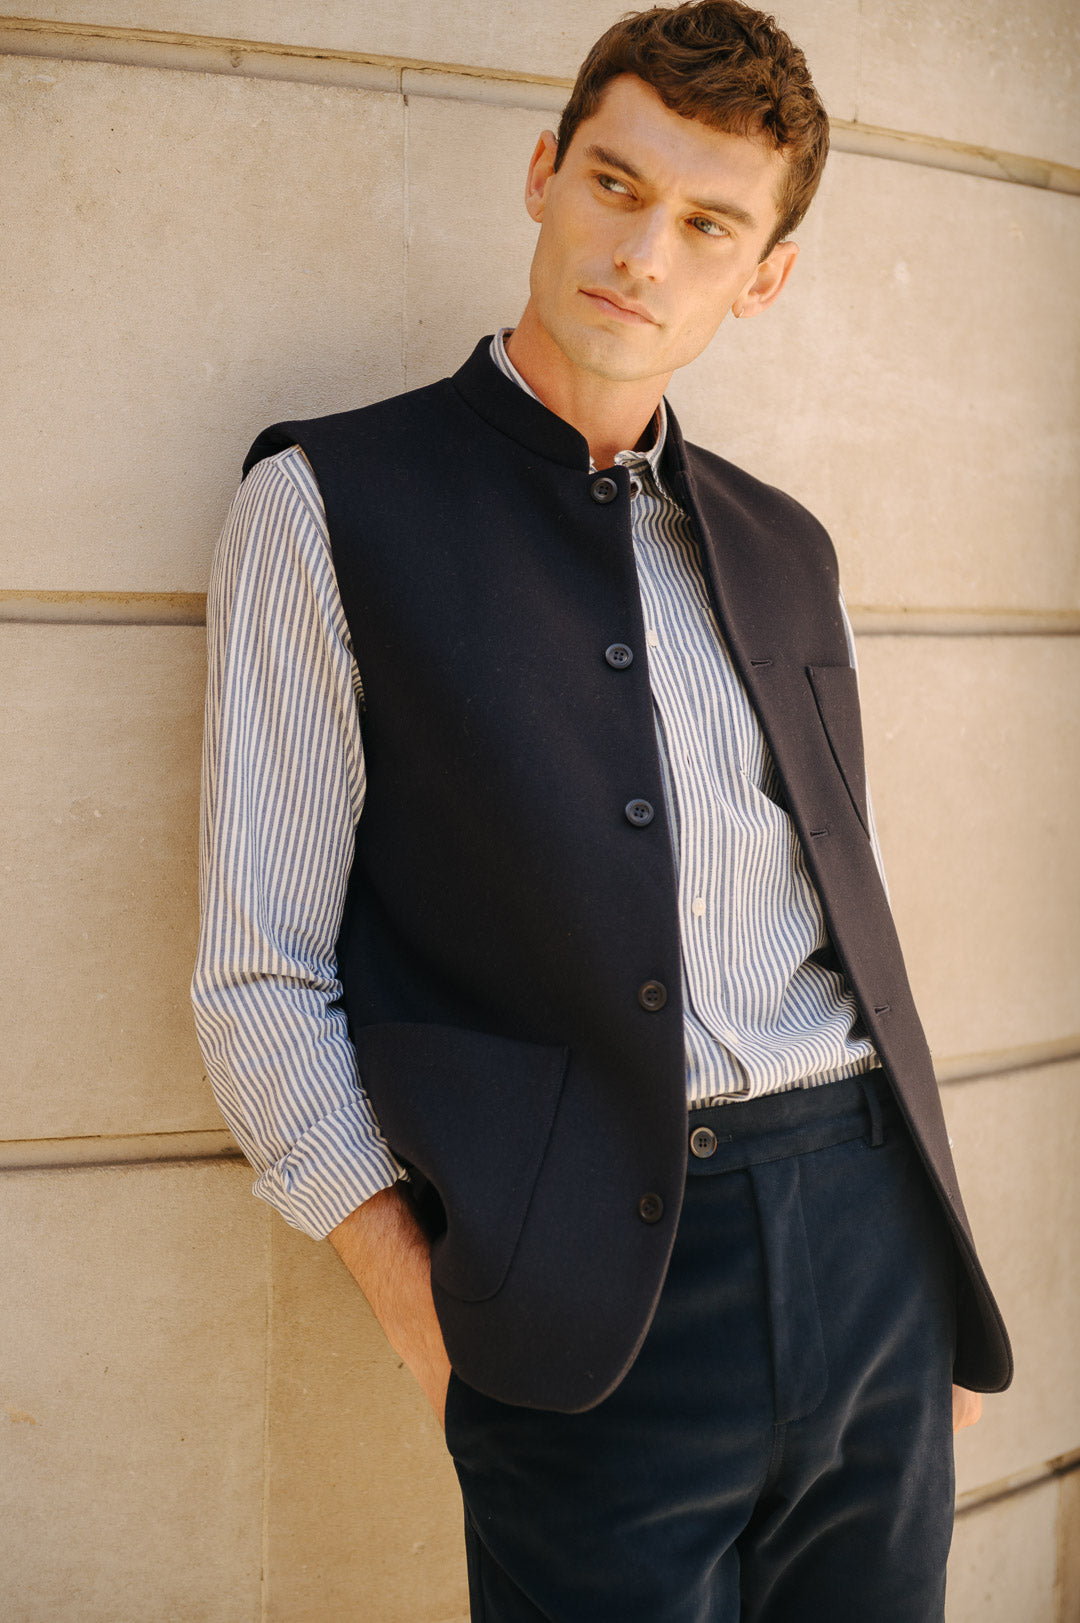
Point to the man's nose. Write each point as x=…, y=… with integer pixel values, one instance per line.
x=645, y=247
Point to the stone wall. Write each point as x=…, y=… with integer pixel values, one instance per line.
x=217, y=213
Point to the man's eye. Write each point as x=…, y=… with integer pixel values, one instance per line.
x=709, y=228
x=610, y=184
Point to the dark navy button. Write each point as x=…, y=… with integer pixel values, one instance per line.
x=650, y=1208
x=639, y=812
x=652, y=996
x=703, y=1143
x=619, y=656
x=603, y=490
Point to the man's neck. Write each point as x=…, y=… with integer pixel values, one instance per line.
x=612, y=416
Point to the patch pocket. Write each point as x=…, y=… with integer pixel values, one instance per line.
x=473, y=1114
x=836, y=694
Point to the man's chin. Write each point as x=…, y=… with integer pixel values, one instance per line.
x=612, y=356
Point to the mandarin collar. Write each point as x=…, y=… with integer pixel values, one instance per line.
x=506, y=407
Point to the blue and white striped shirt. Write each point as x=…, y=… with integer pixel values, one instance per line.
x=283, y=789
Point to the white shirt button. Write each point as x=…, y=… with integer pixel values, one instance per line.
x=652, y=639
x=697, y=906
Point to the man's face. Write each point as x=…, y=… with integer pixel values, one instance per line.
x=650, y=230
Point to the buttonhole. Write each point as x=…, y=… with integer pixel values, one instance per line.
x=882, y=1008
x=819, y=833
x=761, y=662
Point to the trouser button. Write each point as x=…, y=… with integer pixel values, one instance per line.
x=703, y=1143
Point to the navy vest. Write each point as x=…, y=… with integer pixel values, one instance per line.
x=509, y=951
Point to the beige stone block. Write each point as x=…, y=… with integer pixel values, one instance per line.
x=916, y=387
x=364, y=1516
x=985, y=72
x=468, y=265
x=1016, y=1140
x=99, y=920
x=1002, y=1565
x=132, y=1345
x=972, y=744
x=828, y=35
x=548, y=40
x=188, y=257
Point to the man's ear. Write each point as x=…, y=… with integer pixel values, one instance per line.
x=541, y=169
x=767, y=281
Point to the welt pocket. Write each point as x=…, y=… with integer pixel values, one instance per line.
x=472, y=1113
x=836, y=695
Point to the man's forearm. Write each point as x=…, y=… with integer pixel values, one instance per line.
x=388, y=1254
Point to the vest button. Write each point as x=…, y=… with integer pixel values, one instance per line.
x=652, y=996
x=703, y=1143
x=640, y=813
x=650, y=1208
x=619, y=656
x=603, y=490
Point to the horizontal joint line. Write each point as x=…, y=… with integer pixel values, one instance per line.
x=49, y=607
x=103, y=608
x=949, y=622
x=217, y=1144
x=1019, y=1482
x=1001, y=1061
x=124, y=1149
x=460, y=81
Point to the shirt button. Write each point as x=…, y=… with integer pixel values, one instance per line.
x=697, y=906
x=703, y=1143
x=619, y=656
x=639, y=812
x=650, y=1208
x=652, y=996
x=603, y=490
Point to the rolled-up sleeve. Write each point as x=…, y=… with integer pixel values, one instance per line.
x=283, y=790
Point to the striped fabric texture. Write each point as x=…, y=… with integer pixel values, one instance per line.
x=762, y=1013
x=283, y=789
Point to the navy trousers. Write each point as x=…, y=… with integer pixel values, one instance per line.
x=781, y=1449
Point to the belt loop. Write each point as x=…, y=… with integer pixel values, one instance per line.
x=873, y=1106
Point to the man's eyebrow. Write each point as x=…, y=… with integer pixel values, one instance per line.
x=731, y=211
x=611, y=160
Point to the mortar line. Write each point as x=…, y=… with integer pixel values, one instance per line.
x=89, y=608
x=463, y=81
x=1035, y=1476
x=89, y=1152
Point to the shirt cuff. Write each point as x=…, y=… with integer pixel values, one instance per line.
x=331, y=1170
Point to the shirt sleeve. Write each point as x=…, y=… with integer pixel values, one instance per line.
x=283, y=790
x=871, y=825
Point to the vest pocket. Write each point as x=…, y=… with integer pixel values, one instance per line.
x=472, y=1114
x=836, y=694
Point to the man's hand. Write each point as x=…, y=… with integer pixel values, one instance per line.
x=387, y=1252
x=966, y=1407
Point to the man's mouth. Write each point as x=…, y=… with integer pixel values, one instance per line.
x=622, y=309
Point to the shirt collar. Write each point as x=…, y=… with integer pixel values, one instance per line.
x=624, y=458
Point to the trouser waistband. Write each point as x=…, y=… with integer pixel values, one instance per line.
x=725, y=1137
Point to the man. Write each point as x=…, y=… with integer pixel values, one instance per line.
x=644, y=1139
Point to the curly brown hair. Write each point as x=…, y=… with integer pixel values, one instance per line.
x=731, y=67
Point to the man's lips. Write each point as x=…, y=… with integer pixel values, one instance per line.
x=622, y=309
